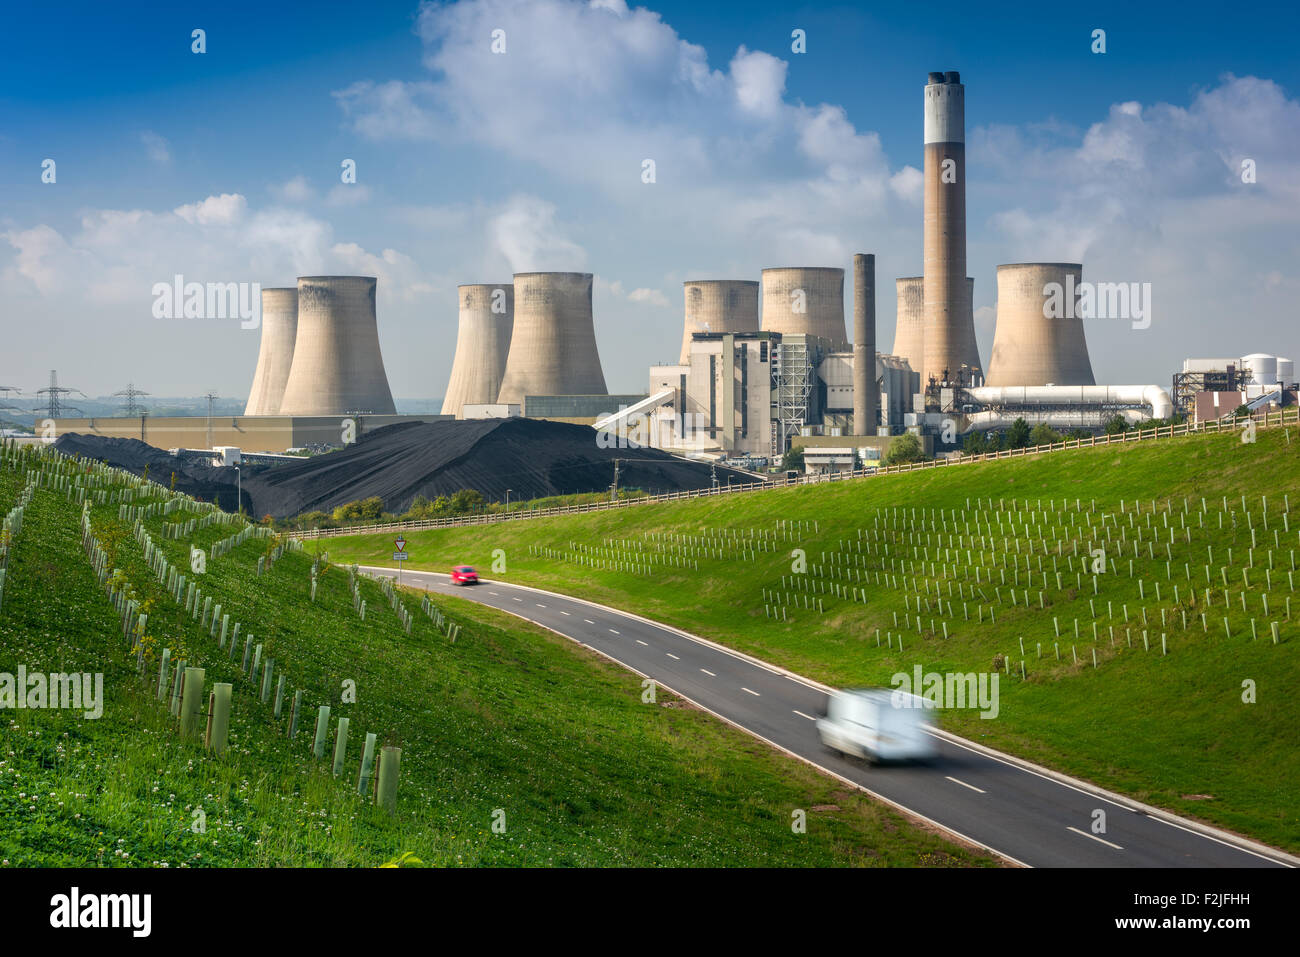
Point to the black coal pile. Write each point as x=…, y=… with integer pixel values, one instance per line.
x=207, y=482
x=530, y=457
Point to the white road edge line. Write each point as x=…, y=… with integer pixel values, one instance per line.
x=964, y=784
x=1095, y=838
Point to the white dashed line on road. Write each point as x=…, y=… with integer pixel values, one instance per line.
x=539, y=604
x=964, y=784
x=566, y=614
x=808, y=716
x=708, y=672
x=1094, y=837
x=588, y=621
x=515, y=599
x=754, y=693
x=672, y=656
x=640, y=642
x=613, y=632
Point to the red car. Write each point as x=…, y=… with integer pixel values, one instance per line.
x=464, y=575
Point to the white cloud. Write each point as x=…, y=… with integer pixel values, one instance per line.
x=295, y=190
x=526, y=234
x=759, y=80
x=157, y=147
x=221, y=210
x=652, y=297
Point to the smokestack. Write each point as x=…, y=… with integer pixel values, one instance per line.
x=1036, y=343
x=553, y=346
x=719, y=305
x=337, y=365
x=949, y=328
x=866, y=400
x=487, y=314
x=275, y=358
x=805, y=299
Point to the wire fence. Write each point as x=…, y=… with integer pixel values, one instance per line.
x=1260, y=420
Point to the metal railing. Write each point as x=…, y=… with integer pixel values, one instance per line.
x=1226, y=424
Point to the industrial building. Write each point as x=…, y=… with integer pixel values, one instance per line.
x=275, y=357
x=486, y=319
x=553, y=345
x=1031, y=347
x=1213, y=388
x=337, y=366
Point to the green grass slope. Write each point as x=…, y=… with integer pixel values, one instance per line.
x=507, y=725
x=1000, y=554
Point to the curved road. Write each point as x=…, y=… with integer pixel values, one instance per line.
x=1024, y=813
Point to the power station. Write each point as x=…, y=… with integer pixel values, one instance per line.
x=487, y=314
x=275, y=358
x=337, y=367
x=553, y=346
x=762, y=365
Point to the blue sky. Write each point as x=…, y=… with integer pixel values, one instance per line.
x=225, y=166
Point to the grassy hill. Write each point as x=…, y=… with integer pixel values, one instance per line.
x=505, y=724
x=1003, y=556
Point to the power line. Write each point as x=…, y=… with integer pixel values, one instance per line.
x=131, y=393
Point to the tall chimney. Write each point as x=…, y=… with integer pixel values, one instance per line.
x=949, y=329
x=866, y=401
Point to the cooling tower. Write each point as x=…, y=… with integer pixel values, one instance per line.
x=487, y=314
x=1031, y=347
x=719, y=305
x=949, y=327
x=274, y=360
x=866, y=398
x=909, y=335
x=805, y=300
x=553, y=346
x=337, y=367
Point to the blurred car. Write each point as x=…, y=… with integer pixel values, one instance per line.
x=878, y=724
x=464, y=575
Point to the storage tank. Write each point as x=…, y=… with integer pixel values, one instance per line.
x=1032, y=344
x=1285, y=371
x=487, y=313
x=1262, y=366
x=337, y=365
x=718, y=305
x=553, y=346
x=807, y=300
x=275, y=357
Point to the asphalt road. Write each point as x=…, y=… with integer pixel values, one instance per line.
x=1016, y=811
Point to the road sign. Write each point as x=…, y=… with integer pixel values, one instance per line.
x=400, y=543
x=400, y=556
